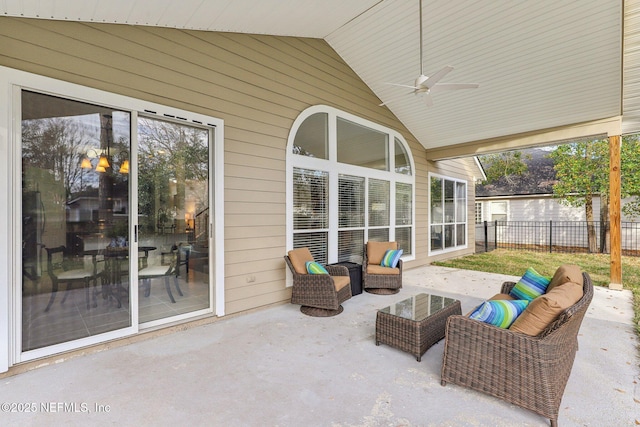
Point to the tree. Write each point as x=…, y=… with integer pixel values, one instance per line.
x=582, y=172
x=506, y=165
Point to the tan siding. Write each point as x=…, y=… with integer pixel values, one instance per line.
x=257, y=84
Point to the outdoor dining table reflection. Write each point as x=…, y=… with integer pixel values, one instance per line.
x=115, y=276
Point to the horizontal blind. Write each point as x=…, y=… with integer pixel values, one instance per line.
x=403, y=203
x=310, y=199
x=403, y=237
x=379, y=234
x=351, y=208
x=351, y=246
x=317, y=242
x=378, y=203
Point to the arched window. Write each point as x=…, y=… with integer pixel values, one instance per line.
x=348, y=181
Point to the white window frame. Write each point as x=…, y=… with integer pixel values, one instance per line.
x=495, y=203
x=12, y=82
x=430, y=252
x=335, y=169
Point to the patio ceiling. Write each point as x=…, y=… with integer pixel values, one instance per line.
x=540, y=65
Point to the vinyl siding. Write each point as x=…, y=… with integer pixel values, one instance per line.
x=257, y=84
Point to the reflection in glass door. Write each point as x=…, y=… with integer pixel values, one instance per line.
x=173, y=219
x=75, y=220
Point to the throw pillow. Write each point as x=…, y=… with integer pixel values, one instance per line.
x=566, y=273
x=500, y=313
x=546, y=308
x=315, y=268
x=530, y=286
x=391, y=258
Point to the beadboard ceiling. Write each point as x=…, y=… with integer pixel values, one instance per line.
x=540, y=64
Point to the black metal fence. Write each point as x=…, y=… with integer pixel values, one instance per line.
x=554, y=236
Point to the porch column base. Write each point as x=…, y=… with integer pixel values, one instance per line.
x=615, y=286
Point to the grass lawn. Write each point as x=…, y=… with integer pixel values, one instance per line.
x=512, y=262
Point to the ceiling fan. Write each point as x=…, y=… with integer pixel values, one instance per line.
x=425, y=86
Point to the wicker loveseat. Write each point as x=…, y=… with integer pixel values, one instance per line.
x=527, y=371
x=319, y=295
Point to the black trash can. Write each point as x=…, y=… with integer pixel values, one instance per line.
x=355, y=275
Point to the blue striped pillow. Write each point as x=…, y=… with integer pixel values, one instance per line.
x=391, y=258
x=500, y=313
x=530, y=286
x=315, y=268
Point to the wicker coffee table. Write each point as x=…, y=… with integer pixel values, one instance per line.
x=416, y=323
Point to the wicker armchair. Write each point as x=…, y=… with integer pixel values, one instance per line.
x=375, y=278
x=527, y=371
x=319, y=295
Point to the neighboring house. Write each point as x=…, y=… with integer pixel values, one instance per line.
x=528, y=198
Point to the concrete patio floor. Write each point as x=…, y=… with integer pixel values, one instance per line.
x=278, y=367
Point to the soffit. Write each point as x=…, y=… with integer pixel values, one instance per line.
x=540, y=65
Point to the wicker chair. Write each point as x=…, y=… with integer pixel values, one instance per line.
x=319, y=295
x=375, y=278
x=527, y=371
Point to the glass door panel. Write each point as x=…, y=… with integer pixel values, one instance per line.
x=75, y=220
x=173, y=219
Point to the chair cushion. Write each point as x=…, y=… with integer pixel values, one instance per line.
x=376, y=250
x=313, y=267
x=378, y=269
x=299, y=258
x=546, y=308
x=155, y=270
x=566, y=273
x=530, y=286
x=500, y=313
x=74, y=274
x=340, y=282
x=391, y=258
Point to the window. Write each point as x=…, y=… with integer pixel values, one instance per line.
x=361, y=146
x=311, y=138
x=311, y=218
x=448, y=203
x=478, y=212
x=498, y=211
x=360, y=189
x=351, y=217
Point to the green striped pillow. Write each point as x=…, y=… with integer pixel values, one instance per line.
x=391, y=258
x=500, y=313
x=530, y=286
x=315, y=268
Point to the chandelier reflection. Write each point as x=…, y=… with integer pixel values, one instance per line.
x=103, y=160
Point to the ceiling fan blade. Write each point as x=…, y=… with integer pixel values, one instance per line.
x=434, y=78
x=428, y=100
x=453, y=86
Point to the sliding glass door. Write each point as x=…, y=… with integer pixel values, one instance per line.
x=116, y=229
x=173, y=212
x=75, y=220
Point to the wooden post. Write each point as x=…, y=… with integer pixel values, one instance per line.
x=614, y=212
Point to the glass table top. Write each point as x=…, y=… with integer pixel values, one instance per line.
x=418, y=307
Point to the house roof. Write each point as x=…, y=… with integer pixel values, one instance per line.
x=540, y=65
x=538, y=179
